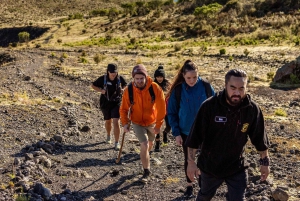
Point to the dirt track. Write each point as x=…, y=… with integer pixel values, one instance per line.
x=47, y=111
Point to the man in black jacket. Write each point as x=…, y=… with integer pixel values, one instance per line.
x=221, y=128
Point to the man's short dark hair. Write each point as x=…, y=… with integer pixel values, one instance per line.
x=235, y=73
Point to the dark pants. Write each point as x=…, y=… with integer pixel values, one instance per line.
x=185, y=151
x=168, y=127
x=236, y=185
x=166, y=130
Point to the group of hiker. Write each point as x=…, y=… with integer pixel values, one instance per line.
x=212, y=126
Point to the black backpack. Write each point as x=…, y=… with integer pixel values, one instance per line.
x=178, y=89
x=118, y=90
x=130, y=92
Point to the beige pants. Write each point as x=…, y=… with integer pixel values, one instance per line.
x=144, y=133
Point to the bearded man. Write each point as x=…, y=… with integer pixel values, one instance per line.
x=221, y=129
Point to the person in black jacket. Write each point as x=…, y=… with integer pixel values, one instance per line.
x=160, y=79
x=221, y=129
x=111, y=87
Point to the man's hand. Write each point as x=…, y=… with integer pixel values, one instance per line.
x=192, y=170
x=178, y=140
x=156, y=130
x=102, y=91
x=264, y=172
x=126, y=128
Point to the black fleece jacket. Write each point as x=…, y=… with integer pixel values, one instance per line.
x=222, y=132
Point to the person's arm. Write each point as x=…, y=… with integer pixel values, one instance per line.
x=192, y=169
x=98, y=89
x=98, y=85
x=264, y=165
x=261, y=142
x=123, y=82
x=172, y=112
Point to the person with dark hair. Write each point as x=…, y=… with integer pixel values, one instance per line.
x=111, y=87
x=182, y=109
x=222, y=127
x=160, y=79
x=144, y=101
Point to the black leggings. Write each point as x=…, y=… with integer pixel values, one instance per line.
x=185, y=151
x=168, y=127
x=166, y=130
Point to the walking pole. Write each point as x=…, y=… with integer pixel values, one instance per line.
x=120, y=151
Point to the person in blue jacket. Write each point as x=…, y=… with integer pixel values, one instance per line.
x=181, y=115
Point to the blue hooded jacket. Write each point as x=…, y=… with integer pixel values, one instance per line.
x=182, y=118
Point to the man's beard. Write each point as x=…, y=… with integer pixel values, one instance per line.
x=231, y=101
x=140, y=85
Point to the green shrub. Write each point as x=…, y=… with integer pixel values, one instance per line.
x=177, y=47
x=154, y=4
x=23, y=36
x=230, y=58
x=59, y=40
x=280, y=112
x=22, y=198
x=222, y=51
x=83, y=60
x=207, y=11
x=246, y=52
x=99, y=58
x=129, y=8
x=270, y=75
x=64, y=55
x=100, y=12
x=75, y=16
x=14, y=44
x=294, y=79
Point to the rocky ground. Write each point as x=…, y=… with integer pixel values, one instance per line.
x=52, y=137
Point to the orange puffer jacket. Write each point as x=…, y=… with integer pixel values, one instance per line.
x=143, y=112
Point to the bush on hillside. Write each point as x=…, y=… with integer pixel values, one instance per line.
x=23, y=36
x=207, y=11
x=99, y=12
x=222, y=51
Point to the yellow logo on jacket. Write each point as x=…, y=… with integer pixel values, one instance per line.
x=245, y=127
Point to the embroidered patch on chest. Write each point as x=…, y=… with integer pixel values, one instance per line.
x=220, y=119
x=245, y=127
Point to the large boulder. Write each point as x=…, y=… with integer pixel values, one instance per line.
x=283, y=73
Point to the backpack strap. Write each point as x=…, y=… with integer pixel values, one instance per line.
x=130, y=93
x=105, y=81
x=152, y=94
x=207, y=87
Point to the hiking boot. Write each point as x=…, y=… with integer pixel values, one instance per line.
x=117, y=146
x=108, y=140
x=145, y=176
x=157, y=145
x=189, y=192
x=146, y=173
